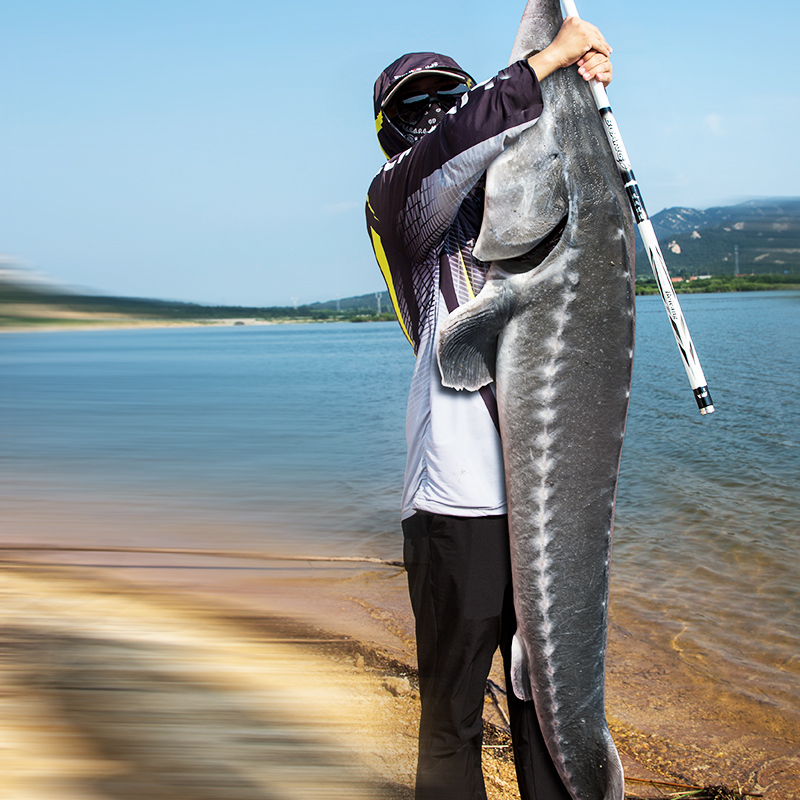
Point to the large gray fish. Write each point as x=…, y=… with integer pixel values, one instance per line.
x=555, y=326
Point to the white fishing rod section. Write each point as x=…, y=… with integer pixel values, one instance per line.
x=685, y=345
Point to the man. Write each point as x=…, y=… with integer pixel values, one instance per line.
x=440, y=132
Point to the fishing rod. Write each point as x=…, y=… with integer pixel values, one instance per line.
x=685, y=345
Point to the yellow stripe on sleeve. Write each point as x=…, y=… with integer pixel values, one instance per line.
x=383, y=263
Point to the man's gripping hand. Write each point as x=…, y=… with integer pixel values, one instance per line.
x=577, y=42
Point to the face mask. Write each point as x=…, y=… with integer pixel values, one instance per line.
x=426, y=122
x=419, y=113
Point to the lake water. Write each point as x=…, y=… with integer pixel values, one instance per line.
x=291, y=437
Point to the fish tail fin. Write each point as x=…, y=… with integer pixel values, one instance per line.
x=468, y=341
x=520, y=675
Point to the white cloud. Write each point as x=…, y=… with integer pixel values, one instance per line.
x=343, y=207
x=713, y=123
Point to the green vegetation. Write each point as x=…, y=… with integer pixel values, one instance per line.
x=723, y=283
x=759, y=237
x=754, y=238
x=26, y=306
x=385, y=317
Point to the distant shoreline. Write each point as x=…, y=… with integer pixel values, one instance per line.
x=102, y=323
x=715, y=284
x=24, y=317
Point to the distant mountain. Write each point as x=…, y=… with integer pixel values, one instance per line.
x=756, y=237
x=694, y=242
x=362, y=303
x=759, y=236
x=26, y=300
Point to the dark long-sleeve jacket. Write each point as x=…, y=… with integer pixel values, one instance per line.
x=424, y=212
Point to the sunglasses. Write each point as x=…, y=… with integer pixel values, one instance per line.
x=411, y=109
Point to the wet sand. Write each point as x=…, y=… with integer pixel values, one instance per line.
x=127, y=676
x=65, y=320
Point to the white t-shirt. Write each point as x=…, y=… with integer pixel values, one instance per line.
x=455, y=459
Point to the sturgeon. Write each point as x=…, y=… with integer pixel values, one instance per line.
x=554, y=327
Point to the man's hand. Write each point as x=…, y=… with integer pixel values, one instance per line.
x=596, y=65
x=578, y=42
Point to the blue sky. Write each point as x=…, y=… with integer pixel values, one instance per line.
x=220, y=152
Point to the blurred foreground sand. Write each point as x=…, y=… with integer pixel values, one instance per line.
x=109, y=691
x=237, y=686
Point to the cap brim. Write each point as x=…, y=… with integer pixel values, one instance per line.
x=421, y=73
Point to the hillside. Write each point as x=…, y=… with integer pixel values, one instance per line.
x=375, y=302
x=26, y=301
x=757, y=237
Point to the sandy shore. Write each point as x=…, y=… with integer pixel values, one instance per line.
x=189, y=677
x=74, y=321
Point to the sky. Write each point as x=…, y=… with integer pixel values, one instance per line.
x=220, y=151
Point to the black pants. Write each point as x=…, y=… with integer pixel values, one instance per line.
x=459, y=577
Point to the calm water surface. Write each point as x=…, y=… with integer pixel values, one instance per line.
x=707, y=543
x=293, y=437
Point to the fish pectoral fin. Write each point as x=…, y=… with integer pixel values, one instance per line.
x=468, y=341
x=520, y=675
